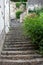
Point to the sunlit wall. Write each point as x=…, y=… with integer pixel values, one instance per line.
x=4, y=15
x=7, y=13
x=1, y=15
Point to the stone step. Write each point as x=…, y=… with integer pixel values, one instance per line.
x=11, y=32
x=22, y=57
x=16, y=28
x=9, y=36
x=18, y=48
x=22, y=62
x=12, y=39
x=15, y=35
x=8, y=42
x=19, y=45
x=18, y=52
x=18, y=42
x=15, y=32
x=12, y=46
x=15, y=40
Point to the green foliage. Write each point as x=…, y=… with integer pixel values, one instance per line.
x=37, y=11
x=24, y=3
x=18, y=4
x=18, y=12
x=33, y=27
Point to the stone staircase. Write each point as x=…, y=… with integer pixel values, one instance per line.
x=17, y=50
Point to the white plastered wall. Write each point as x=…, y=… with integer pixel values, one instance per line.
x=4, y=20
x=7, y=13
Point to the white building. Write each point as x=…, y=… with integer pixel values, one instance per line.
x=31, y=4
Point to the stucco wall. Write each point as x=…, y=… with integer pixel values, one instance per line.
x=4, y=20
x=4, y=15
x=7, y=17
x=1, y=15
x=2, y=34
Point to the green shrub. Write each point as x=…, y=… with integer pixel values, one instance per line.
x=18, y=4
x=33, y=27
x=18, y=14
x=37, y=11
x=31, y=11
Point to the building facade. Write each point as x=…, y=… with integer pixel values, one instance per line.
x=34, y=3
x=4, y=19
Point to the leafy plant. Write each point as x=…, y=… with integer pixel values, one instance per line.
x=37, y=11
x=18, y=4
x=18, y=12
x=33, y=27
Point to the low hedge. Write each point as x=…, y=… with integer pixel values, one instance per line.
x=18, y=12
x=33, y=27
